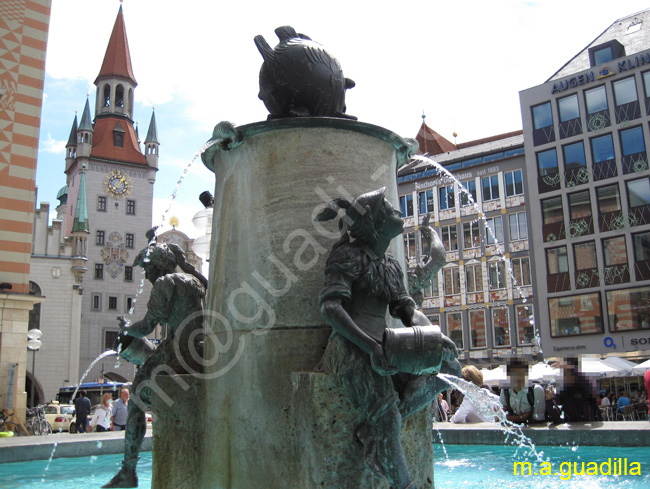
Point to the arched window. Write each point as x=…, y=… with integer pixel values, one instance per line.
x=107, y=95
x=119, y=96
x=130, y=102
x=35, y=313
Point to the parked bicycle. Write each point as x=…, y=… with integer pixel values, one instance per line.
x=6, y=425
x=36, y=422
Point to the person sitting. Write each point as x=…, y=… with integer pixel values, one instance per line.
x=468, y=412
x=522, y=404
x=577, y=394
x=623, y=401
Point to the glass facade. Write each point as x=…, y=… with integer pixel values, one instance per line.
x=568, y=108
x=629, y=309
x=575, y=315
x=542, y=116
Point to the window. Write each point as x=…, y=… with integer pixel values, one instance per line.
x=490, y=187
x=432, y=289
x=603, y=55
x=496, y=275
x=455, y=328
x=518, y=226
x=435, y=319
x=119, y=96
x=575, y=315
x=585, y=256
x=101, y=203
x=110, y=340
x=552, y=211
x=521, y=271
x=425, y=199
x=625, y=91
x=514, y=183
x=494, y=230
x=646, y=83
x=602, y=148
x=477, y=328
x=638, y=192
x=470, y=187
x=632, y=141
x=447, y=200
x=471, y=235
x=473, y=278
x=406, y=205
x=99, y=238
x=596, y=100
x=112, y=302
x=130, y=302
x=449, y=237
x=130, y=207
x=568, y=107
x=118, y=139
x=642, y=246
x=556, y=260
x=615, y=251
x=547, y=163
x=609, y=199
x=574, y=156
x=580, y=214
x=629, y=309
x=107, y=95
x=525, y=324
x=128, y=274
x=409, y=244
x=501, y=326
x=542, y=116
x=99, y=270
x=130, y=238
x=96, y=304
x=452, y=280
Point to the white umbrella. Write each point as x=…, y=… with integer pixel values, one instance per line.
x=641, y=368
x=591, y=366
x=621, y=364
x=543, y=371
x=495, y=376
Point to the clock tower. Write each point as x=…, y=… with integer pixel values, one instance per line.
x=119, y=180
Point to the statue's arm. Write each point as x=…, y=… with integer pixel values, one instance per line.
x=142, y=328
x=337, y=317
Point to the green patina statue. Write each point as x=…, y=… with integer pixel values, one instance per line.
x=176, y=301
x=362, y=281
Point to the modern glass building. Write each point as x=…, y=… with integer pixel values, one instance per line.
x=586, y=133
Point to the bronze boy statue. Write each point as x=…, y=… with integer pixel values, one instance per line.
x=361, y=282
x=175, y=300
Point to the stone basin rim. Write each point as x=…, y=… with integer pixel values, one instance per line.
x=404, y=148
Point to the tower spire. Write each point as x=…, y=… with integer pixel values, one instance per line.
x=117, y=60
x=80, y=223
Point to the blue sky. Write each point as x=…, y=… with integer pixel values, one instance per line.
x=462, y=63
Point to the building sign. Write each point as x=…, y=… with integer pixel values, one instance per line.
x=571, y=348
x=443, y=181
x=640, y=341
x=572, y=82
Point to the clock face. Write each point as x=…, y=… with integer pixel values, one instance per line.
x=118, y=184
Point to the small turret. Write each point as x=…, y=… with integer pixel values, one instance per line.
x=80, y=230
x=151, y=143
x=71, y=146
x=85, y=133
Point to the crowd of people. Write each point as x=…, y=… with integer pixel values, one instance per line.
x=574, y=397
x=108, y=416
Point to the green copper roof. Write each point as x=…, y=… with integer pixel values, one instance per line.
x=72, y=140
x=80, y=222
x=62, y=196
x=152, y=133
x=86, y=123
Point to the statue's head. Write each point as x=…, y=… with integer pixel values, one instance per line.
x=366, y=217
x=157, y=260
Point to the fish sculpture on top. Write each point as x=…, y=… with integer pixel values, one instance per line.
x=300, y=79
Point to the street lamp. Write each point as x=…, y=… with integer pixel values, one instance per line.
x=34, y=344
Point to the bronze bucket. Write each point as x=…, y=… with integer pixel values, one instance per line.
x=416, y=350
x=135, y=350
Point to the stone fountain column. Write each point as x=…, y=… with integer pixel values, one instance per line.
x=269, y=420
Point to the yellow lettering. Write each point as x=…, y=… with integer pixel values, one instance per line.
x=575, y=468
x=635, y=468
x=523, y=466
x=592, y=470
x=545, y=468
x=609, y=467
x=565, y=471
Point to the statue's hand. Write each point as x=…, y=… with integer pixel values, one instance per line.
x=379, y=362
x=449, y=350
x=124, y=324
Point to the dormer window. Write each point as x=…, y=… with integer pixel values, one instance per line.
x=604, y=53
x=118, y=136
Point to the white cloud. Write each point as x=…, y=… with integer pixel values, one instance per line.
x=51, y=145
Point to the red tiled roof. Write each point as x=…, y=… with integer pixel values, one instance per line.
x=104, y=148
x=490, y=139
x=117, y=60
x=431, y=142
